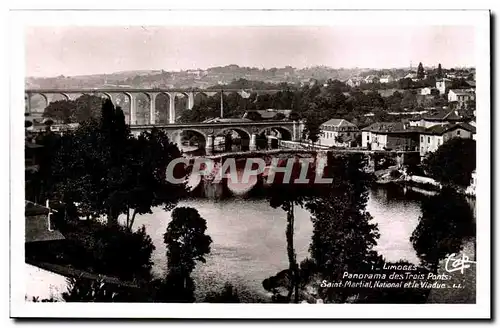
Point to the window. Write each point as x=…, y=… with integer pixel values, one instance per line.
x=429, y=139
x=368, y=137
x=458, y=132
x=421, y=138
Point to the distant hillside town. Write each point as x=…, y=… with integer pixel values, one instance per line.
x=227, y=75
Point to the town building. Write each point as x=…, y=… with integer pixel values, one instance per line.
x=372, y=79
x=386, y=79
x=442, y=117
x=390, y=136
x=442, y=85
x=411, y=75
x=338, y=133
x=355, y=81
x=433, y=137
x=460, y=97
x=428, y=91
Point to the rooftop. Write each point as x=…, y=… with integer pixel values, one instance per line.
x=338, y=122
x=440, y=129
x=37, y=225
x=392, y=127
x=443, y=115
x=462, y=92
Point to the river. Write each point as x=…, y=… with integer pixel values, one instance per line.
x=249, y=236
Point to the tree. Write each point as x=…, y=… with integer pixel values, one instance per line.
x=254, y=116
x=343, y=237
x=151, y=153
x=312, y=125
x=229, y=294
x=82, y=109
x=279, y=117
x=453, y=162
x=420, y=71
x=62, y=111
x=439, y=73
x=186, y=243
x=108, y=172
x=286, y=195
x=447, y=219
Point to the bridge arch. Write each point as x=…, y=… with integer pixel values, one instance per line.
x=36, y=103
x=244, y=138
x=188, y=135
x=142, y=108
x=162, y=107
x=284, y=132
x=200, y=98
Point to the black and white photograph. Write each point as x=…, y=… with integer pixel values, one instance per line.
x=177, y=163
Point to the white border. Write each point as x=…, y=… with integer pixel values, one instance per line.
x=478, y=19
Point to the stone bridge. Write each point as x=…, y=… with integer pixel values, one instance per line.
x=154, y=98
x=246, y=130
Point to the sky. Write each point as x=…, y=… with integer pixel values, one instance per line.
x=69, y=51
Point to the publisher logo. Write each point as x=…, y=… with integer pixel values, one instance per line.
x=458, y=263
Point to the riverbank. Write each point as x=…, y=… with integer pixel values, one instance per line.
x=425, y=184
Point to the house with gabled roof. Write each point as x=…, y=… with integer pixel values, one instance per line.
x=338, y=132
x=386, y=79
x=390, y=136
x=355, y=81
x=433, y=137
x=461, y=97
x=372, y=79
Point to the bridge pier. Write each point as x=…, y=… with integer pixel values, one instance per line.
x=27, y=100
x=152, y=107
x=209, y=145
x=133, y=108
x=190, y=103
x=253, y=142
x=171, y=108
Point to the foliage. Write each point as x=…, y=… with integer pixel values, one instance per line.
x=446, y=221
x=453, y=162
x=420, y=71
x=87, y=290
x=343, y=237
x=107, y=171
x=98, y=290
x=228, y=294
x=397, y=295
x=186, y=243
x=439, y=73
x=254, y=116
x=82, y=109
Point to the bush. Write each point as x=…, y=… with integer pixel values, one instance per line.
x=228, y=294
